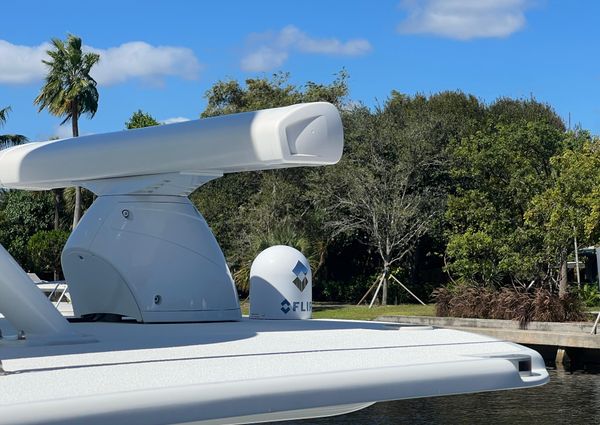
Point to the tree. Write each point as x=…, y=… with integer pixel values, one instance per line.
x=69, y=90
x=140, y=119
x=4, y=114
x=510, y=111
x=45, y=248
x=8, y=140
x=496, y=173
x=570, y=207
x=375, y=193
x=22, y=214
x=228, y=97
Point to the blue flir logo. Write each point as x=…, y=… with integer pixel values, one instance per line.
x=285, y=306
x=295, y=306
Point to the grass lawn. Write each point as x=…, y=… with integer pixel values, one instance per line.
x=352, y=312
x=363, y=312
x=593, y=309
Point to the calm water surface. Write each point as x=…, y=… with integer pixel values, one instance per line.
x=569, y=398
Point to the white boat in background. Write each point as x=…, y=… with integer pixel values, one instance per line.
x=57, y=293
x=158, y=336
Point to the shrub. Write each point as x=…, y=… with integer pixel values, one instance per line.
x=472, y=301
x=589, y=295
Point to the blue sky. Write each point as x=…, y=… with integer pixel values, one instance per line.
x=161, y=56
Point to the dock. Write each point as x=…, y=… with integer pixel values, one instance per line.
x=569, y=344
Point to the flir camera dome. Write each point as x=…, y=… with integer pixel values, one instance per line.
x=280, y=285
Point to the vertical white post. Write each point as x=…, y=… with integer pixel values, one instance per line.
x=24, y=305
x=576, y=259
x=598, y=264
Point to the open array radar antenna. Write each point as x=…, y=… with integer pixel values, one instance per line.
x=142, y=250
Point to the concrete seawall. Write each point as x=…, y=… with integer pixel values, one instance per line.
x=560, y=342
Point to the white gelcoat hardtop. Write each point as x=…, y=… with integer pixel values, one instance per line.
x=248, y=371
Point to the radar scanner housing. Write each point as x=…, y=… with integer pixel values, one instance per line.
x=142, y=250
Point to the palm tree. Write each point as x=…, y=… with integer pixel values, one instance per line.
x=69, y=90
x=8, y=140
x=4, y=115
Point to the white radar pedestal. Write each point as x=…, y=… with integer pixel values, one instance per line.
x=152, y=258
x=280, y=285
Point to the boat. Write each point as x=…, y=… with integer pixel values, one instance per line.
x=57, y=292
x=158, y=336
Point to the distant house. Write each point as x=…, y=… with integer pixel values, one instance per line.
x=589, y=265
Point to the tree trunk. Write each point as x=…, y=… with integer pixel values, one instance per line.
x=562, y=277
x=75, y=128
x=57, y=198
x=77, y=210
x=384, y=286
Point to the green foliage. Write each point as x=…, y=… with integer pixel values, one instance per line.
x=475, y=256
x=589, y=294
x=344, y=290
x=45, y=248
x=69, y=196
x=140, y=119
x=378, y=191
x=4, y=115
x=8, y=140
x=440, y=118
x=570, y=207
x=69, y=89
x=496, y=173
x=510, y=111
x=229, y=96
x=421, y=177
x=389, y=190
x=22, y=214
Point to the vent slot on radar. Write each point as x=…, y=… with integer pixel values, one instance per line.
x=280, y=285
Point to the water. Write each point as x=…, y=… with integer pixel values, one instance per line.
x=569, y=398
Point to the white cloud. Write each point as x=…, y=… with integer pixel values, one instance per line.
x=271, y=50
x=23, y=64
x=263, y=59
x=174, y=120
x=464, y=19
x=142, y=60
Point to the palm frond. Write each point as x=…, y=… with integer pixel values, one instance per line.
x=9, y=140
x=68, y=85
x=4, y=115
